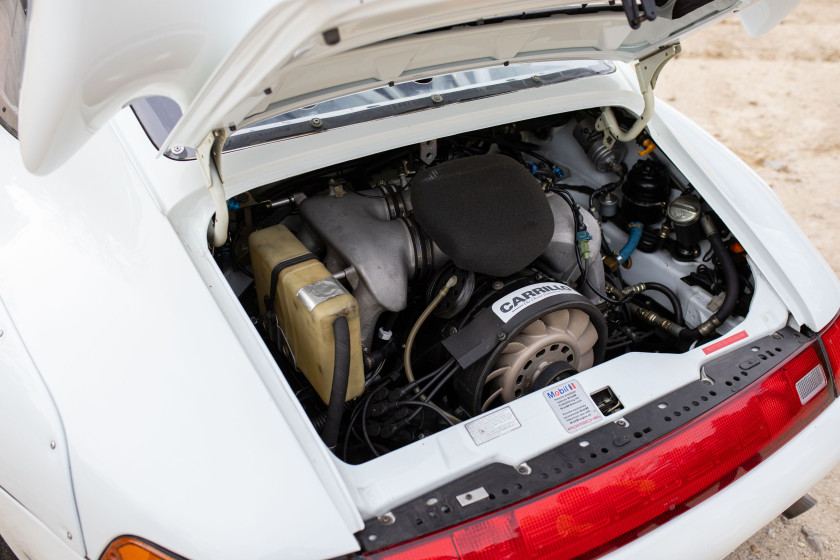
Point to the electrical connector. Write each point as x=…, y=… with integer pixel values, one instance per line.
x=583, y=239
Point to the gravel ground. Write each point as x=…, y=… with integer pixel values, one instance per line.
x=774, y=102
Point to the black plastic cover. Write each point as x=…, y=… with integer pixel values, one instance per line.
x=487, y=213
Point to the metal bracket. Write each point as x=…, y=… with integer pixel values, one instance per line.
x=648, y=69
x=635, y=17
x=428, y=151
x=209, y=156
x=647, y=73
x=210, y=151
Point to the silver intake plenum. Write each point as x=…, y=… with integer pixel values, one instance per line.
x=359, y=233
x=361, y=236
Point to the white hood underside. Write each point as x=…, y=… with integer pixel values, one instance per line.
x=227, y=66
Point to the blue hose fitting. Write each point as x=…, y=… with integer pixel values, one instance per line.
x=532, y=167
x=232, y=205
x=636, y=229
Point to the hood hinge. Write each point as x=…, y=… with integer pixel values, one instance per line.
x=647, y=72
x=209, y=156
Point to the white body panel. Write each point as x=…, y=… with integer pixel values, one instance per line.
x=34, y=438
x=28, y=536
x=179, y=426
x=170, y=48
x=171, y=435
x=373, y=487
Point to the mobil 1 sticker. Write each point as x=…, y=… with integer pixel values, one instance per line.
x=516, y=301
x=573, y=406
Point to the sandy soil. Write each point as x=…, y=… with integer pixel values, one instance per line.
x=774, y=102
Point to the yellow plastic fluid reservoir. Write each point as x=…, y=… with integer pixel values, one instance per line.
x=307, y=299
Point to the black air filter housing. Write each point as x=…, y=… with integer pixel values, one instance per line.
x=487, y=213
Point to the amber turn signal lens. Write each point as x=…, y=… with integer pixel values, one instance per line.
x=132, y=548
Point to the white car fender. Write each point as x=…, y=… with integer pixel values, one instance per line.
x=36, y=470
x=171, y=434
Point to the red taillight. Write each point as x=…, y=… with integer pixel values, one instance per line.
x=831, y=342
x=620, y=502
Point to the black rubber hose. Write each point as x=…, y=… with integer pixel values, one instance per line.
x=730, y=275
x=690, y=334
x=341, y=375
x=236, y=263
x=672, y=297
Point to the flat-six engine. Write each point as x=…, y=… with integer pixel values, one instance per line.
x=410, y=290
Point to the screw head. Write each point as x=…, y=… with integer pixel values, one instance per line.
x=69, y=535
x=498, y=285
x=536, y=79
x=52, y=445
x=622, y=423
x=523, y=469
x=316, y=123
x=501, y=336
x=437, y=98
x=177, y=149
x=387, y=518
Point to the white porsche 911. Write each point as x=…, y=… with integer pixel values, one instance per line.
x=425, y=279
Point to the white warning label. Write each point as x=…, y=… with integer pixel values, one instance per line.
x=493, y=425
x=573, y=406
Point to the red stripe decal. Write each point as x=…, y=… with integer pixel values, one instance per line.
x=725, y=342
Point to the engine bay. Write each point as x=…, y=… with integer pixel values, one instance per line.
x=410, y=290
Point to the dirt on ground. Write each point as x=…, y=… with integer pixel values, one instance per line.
x=774, y=101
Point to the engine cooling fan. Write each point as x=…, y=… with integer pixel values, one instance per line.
x=526, y=337
x=549, y=349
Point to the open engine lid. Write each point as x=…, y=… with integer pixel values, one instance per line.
x=231, y=64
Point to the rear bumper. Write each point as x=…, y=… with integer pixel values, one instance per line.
x=721, y=523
